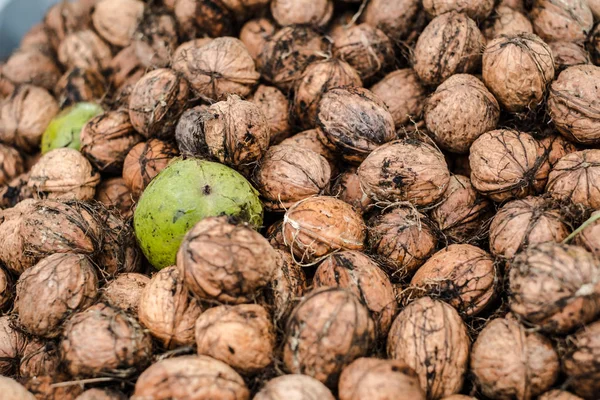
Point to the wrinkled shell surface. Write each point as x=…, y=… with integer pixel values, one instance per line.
x=287, y=287
x=590, y=237
x=11, y=164
x=189, y=132
x=555, y=20
x=276, y=107
x=394, y=18
x=32, y=66
x=39, y=358
x=558, y=395
x=576, y=178
x=347, y=188
x=255, y=33
x=155, y=39
x=117, y=20
x=144, y=161
x=294, y=387
x=124, y=292
x=6, y=289
x=580, y=363
x=80, y=85
x=85, y=50
x=506, y=21
x=12, y=346
x=116, y=196
x=556, y=147
x=302, y=12
x=101, y=394
x=568, y=54
x=478, y=9
x=313, y=139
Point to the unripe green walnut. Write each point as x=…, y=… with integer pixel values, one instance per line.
x=65, y=128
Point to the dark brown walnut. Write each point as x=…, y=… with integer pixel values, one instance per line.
x=116, y=196
x=403, y=94
x=43, y=387
x=235, y=275
x=189, y=132
x=219, y=68
x=317, y=79
x=85, y=50
x=460, y=110
x=568, y=54
x=401, y=240
x=78, y=85
x=555, y=20
x=31, y=66
x=347, y=188
x=593, y=45
x=287, y=287
x=255, y=33
x=119, y=252
x=157, y=101
x=576, y=178
x=360, y=275
x=580, y=361
x=355, y=121
x=144, y=161
x=558, y=395
x=63, y=174
x=372, y=378
x=294, y=386
x=237, y=133
x=302, y=12
x=556, y=147
x=507, y=164
x=574, y=104
x=478, y=10
x=101, y=394
x=107, y=139
x=155, y=39
x=589, y=237
x=52, y=290
x=167, y=310
x=6, y=288
x=37, y=37
x=181, y=53
x=526, y=222
x=242, y=336
x=555, y=286
x=65, y=18
x=450, y=44
x=517, y=70
x=394, y=18
x=14, y=390
x=318, y=226
x=276, y=107
x=121, y=347
x=459, y=164
x=286, y=54
x=461, y=213
x=25, y=115
x=190, y=377
x=432, y=339
x=125, y=67
x=367, y=49
x=39, y=358
x=462, y=275
x=328, y=330
x=12, y=346
x=117, y=20
x=313, y=139
x=405, y=171
x=124, y=292
x=506, y=21
x=288, y=174
x=11, y=164
x=198, y=17
x=509, y=361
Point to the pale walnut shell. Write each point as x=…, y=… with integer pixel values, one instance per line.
x=12, y=346
x=477, y=10
x=144, y=161
x=85, y=50
x=255, y=33
x=276, y=107
x=450, y=44
x=318, y=226
x=517, y=69
x=63, y=174
x=526, y=222
x=555, y=20
x=508, y=164
x=589, y=237
x=506, y=21
x=39, y=358
x=462, y=275
x=375, y=379
x=101, y=394
x=558, y=395
x=580, y=361
x=124, y=292
x=242, y=336
x=120, y=344
x=80, y=85
x=287, y=287
x=14, y=390
x=347, y=188
x=11, y=164
x=313, y=139
x=192, y=378
x=167, y=310
x=117, y=20
x=431, y=338
x=574, y=104
x=576, y=178
x=155, y=39
x=316, y=13
x=460, y=110
x=395, y=18
x=31, y=66
x=568, y=54
x=405, y=171
x=556, y=147
x=508, y=361
x=25, y=115
x=294, y=387
x=116, y=196
x=328, y=330
x=236, y=275
x=53, y=289
x=555, y=287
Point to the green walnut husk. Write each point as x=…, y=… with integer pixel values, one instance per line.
x=185, y=192
x=65, y=128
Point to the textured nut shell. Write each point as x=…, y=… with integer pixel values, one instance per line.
x=63, y=174
x=574, y=104
x=196, y=18
x=144, y=161
x=242, y=336
x=431, y=338
x=450, y=44
x=478, y=10
x=360, y=275
x=556, y=147
x=405, y=170
x=78, y=85
x=555, y=286
x=506, y=21
x=225, y=262
x=507, y=361
x=347, y=188
x=276, y=107
x=66, y=17
x=85, y=50
x=590, y=237
x=11, y=164
x=287, y=287
x=39, y=358
x=43, y=388
x=394, y=18
x=14, y=390
x=507, y=164
x=31, y=66
x=302, y=12
x=315, y=227
x=49, y=292
x=37, y=37
x=116, y=196
x=294, y=387
x=558, y=395
x=579, y=363
x=190, y=377
x=517, y=69
x=124, y=67
x=120, y=343
x=556, y=20
x=155, y=39
x=116, y=20
x=124, y=292
x=182, y=52
x=313, y=139
x=576, y=177
x=328, y=330
x=167, y=310
x=12, y=346
x=101, y=394
x=189, y=132
x=119, y=252
x=377, y=379
x=526, y=222
x=6, y=289
x=568, y=54
x=255, y=33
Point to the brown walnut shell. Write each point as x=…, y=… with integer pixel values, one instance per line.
x=117, y=20
x=43, y=387
x=144, y=161
x=11, y=164
x=287, y=287
x=568, y=54
x=14, y=390
x=40, y=358
x=316, y=13
x=124, y=292
x=276, y=107
x=66, y=17
x=576, y=178
x=125, y=67
x=155, y=39
x=558, y=395
x=6, y=289
x=37, y=37
x=12, y=347
x=255, y=33
x=294, y=386
x=198, y=17
x=580, y=361
x=189, y=132
x=559, y=20
x=347, y=188
x=101, y=394
x=593, y=45
x=116, y=196
x=31, y=66
x=477, y=10
x=394, y=18
x=506, y=21
x=313, y=139
x=119, y=252
x=589, y=237
x=85, y=50
x=80, y=85
x=556, y=147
